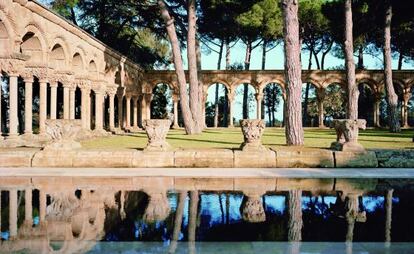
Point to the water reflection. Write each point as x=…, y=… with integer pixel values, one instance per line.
x=183, y=218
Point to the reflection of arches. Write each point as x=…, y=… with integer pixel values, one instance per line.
x=5, y=40
x=161, y=103
x=57, y=57
x=272, y=104
x=217, y=114
x=366, y=101
x=77, y=63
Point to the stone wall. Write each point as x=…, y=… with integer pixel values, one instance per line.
x=209, y=158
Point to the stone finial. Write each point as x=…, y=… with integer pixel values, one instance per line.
x=158, y=207
x=252, y=132
x=252, y=208
x=347, y=131
x=63, y=133
x=157, y=130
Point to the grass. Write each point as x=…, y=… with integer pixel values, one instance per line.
x=232, y=138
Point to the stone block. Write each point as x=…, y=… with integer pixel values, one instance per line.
x=395, y=158
x=306, y=184
x=158, y=183
x=207, y=158
x=14, y=182
x=301, y=157
x=104, y=158
x=56, y=159
x=207, y=184
x=255, y=185
x=355, y=160
x=254, y=159
x=153, y=159
x=17, y=157
x=102, y=182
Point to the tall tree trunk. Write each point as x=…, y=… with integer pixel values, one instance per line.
x=306, y=102
x=360, y=58
x=392, y=97
x=264, y=55
x=216, y=102
x=195, y=102
x=293, y=118
x=228, y=62
x=400, y=61
x=352, y=89
x=202, y=106
x=246, y=85
x=189, y=123
x=326, y=53
x=295, y=222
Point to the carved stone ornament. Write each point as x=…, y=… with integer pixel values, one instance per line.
x=252, y=132
x=12, y=66
x=158, y=207
x=63, y=133
x=252, y=209
x=157, y=130
x=347, y=132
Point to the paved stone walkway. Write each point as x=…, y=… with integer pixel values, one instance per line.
x=216, y=172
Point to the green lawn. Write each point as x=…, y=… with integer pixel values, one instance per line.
x=232, y=138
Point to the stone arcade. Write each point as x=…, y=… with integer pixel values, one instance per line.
x=78, y=77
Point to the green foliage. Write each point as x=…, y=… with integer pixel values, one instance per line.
x=160, y=102
x=335, y=102
x=210, y=111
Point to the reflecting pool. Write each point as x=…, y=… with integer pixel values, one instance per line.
x=206, y=215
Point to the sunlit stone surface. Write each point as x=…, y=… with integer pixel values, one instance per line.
x=252, y=130
x=157, y=130
x=347, y=131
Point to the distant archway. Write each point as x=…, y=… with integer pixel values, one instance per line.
x=161, y=103
x=247, y=111
x=309, y=105
x=272, y=105
x=217, y=113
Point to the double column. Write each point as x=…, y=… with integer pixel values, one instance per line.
x=85, y=106
x=120, y=96
x=230, y=98
x=259, y=99
x=320, y=97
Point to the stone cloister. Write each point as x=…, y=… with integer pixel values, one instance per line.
x=77, y=76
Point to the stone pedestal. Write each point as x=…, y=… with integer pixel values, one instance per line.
x=252, y=132
x=158, y=207
x=347, y=131
x=157, y=130
x=63, y=133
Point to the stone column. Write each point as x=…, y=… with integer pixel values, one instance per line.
x=42, y=106
x=320, y=96
x=175, y=101
x=53, y=100
x=28, y=106
x=111, y=111
x=28, y=208
x=42, y=206
x=66, y=101
x=98, y=110
x=143, y=108
x=135, y=112
x=72, y=102
x=406, y=97
x=85, y=105
x=120, y=111
x=148, y=98
x=377, y=102
x=259, y=99
x=128, y=112
x=14, y=120
x=13, y=213
x=230, y=103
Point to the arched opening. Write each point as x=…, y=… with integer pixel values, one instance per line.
x=32, y=47
x=59, y=100
x=334, y=103
x=57, y=57
x=93, y=70
x=162, y=103
x=92, y=99
x=244, y=103
x=4, y=103
x=272, y=105
x=309, y=105
x=217, y=106
x=78, y=103
x=366, y=104
x=5, y=49
x=384, y=105
x=77, y=63
x=410, y=108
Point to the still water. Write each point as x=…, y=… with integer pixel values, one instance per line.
x=177, y=215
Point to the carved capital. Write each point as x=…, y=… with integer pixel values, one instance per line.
x=111, y=89
x=13, y=67
x=252, y=132
x=41, y=72
x=258, y=96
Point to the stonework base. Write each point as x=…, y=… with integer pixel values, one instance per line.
x=348, y=147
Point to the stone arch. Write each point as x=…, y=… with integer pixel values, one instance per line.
x=309, y=100
x=216, y=115
x=374, y=86
x=66, y=49
x=264, y=83
x=93, y=69
x=78, y=65
x=58, y=57
x=218, y=81
x=34, y=43
x=6, y=37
